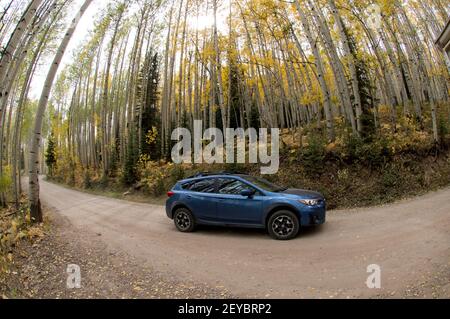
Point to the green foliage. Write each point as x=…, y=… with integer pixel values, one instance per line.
x=104, y=181
x=357, y=150
x=176, y=174
x=87, y=180
x=444, y=127
x=236, y=96
x=236, y=167
x=313, y=155
x=72, y=175
x=50, y=154
x=151, y=143
x=255, y=118
x=390, y=177
x=129, y=176
x=115, y=161
x=5, y=180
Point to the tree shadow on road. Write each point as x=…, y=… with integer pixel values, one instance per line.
x=219, y=231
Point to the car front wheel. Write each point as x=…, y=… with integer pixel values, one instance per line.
x=184, y=220
x=283, y=225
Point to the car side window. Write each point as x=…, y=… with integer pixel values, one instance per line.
x=202, y=186
x=230, y=186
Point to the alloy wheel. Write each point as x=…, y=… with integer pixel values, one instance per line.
x=283, y=226
x=183, y=221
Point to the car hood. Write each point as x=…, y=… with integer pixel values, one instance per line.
x=303, y=193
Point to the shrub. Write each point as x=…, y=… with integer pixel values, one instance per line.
x=130, y=174
x=443, y=127
x=235, y=167
x=375, y=154
x=152, y=176
x=313, y=155
x=5, y=179
x=176, y=173
x=87, y=180
x=390, y=177
x=104, y=181
x=353, y=148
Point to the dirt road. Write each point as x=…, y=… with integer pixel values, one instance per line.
x=409, y=240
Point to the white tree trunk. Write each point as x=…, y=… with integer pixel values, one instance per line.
x=14, y=41
x=351, y=64
x=35, y=207
x=320, y=72
x=336, y=64
x=219, y=69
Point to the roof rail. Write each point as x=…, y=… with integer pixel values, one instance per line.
x=205, y=174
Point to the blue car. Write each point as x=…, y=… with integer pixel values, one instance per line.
x=239, y=200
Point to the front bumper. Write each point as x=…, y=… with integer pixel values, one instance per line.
x=317, y=219
x=314, y=216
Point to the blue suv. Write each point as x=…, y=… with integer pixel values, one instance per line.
x=240, y=200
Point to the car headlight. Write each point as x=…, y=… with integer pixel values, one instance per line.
x=310, y=202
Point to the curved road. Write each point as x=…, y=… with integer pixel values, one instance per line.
x=409, y=240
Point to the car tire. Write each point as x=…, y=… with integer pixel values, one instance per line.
x=283, y=225
x=184, y=220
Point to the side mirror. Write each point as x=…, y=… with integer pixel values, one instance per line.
x=248, y=193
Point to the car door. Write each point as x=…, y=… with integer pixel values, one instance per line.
x=233, y=208
x=200, y=198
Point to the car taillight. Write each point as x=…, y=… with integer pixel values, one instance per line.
x=170, y=194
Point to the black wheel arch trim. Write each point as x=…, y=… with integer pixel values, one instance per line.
x=177, y=206
x=277, y=207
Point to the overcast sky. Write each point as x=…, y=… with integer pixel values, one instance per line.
x=86, y=23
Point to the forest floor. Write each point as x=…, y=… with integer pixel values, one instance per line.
x=131, y=250
x=39, y=270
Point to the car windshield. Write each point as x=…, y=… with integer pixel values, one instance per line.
x=264, y=184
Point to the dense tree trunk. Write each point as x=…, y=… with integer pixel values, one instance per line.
x=320, y=72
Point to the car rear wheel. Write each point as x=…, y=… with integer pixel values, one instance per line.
x=283, y=225
x=184, y=220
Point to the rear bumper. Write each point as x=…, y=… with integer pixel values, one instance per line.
x=169, y=210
